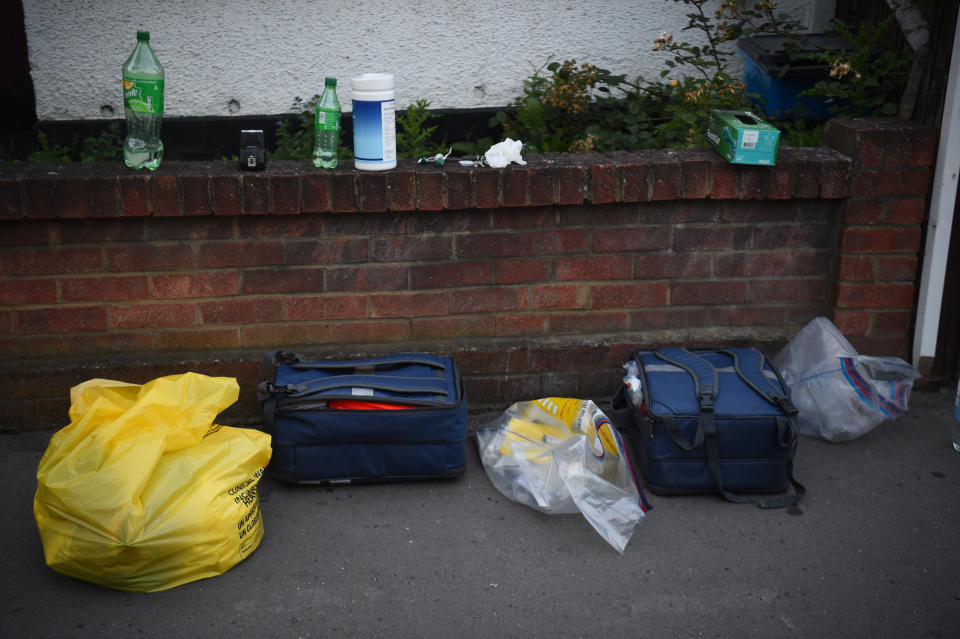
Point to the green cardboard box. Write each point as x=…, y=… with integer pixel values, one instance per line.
x=743, y=138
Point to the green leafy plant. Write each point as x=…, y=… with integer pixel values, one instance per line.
x=864, y=79
x=48, y=152
x=106, y=146
x=413, y=137
x=295, y=138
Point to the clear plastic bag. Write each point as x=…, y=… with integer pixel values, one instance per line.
x=840, y=394
x=563, y=456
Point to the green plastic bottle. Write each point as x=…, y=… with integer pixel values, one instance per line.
x=326, y=144
x=143, y=106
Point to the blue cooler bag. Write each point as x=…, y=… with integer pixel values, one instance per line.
x=393, y=417
x=712, y=421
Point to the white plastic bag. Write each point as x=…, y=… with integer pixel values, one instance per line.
x=563, y=456
x=840, y=394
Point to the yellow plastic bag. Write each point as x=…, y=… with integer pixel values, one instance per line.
x=143, y=492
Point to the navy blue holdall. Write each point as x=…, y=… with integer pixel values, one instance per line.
x=386, y=418
x=712, y=421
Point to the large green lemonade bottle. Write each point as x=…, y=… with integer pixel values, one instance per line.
x=143, y=106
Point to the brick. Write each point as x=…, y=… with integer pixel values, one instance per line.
x=343, y=192
x=54, y=261
x=805, y=175
x=373, y=192
x=875, y=296
x=489, y=245
x=451, y=274
x=780, y=182
x=402, y=190
x=430, y=189
x=245, y=311
x=608, y=267
x=723, y=184
x=898, y=269
x=880, y=240
x=696, y=172
x=150, y=258
x=268, y=336
x=703, y=238
x=517, y=271
x=256, y=193
x=248, y=253
x=864, y=211
x=164, y=195
x=891, y=182
x=852, y=322
x=272, y=281
x=568, y=358
x=856, y=269
x=541, y=218
x=570, y=185
x=632, y=295
x=893, y=322
x=409, y=248
x=589, y=323
x=488, y=189
x=61, y=319
x=541, y=185
x=636, y=181
x=367, y=332
x=788, y=290
x=104, y=201
x=325, y=251
x=457, y=188
x=327, y=307
x=198, y=339
x=104, y=289
x=667, y=175
x=40, y=198
x=11, y=202
x=558, y=296
x=285, y=193
x=893, y=346
x=792, y=236
x=227, y=195
x=316, y=191
x=708, y=292
x=134, y=195
x=367, y=278
x=910, y=211
x=561, y=242
x=197, y=194
x=452, y=328
x=202, y=284
x=603, y=183
x=71, y=198
x=514, y=186
x=753, y=182
x=485, y=300
x=835, y=179
x=514, y=325
x=641, y=238
x=747, y=316
x=407, y=305
x=21, y=292
x=682, y=266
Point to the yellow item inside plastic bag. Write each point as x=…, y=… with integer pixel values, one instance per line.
x=143, y=492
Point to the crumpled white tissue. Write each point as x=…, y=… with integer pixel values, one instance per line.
x=503, y=153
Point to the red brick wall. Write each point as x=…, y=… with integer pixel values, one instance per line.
x=538, y=279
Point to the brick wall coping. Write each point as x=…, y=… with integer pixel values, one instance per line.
x=110, y=190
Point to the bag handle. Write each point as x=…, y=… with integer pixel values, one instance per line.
x=369, y=365
x=404, y=385
x=748, y=364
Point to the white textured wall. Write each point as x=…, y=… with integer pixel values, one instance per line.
x=251, y=57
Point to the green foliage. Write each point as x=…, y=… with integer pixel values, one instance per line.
x=106, y=146
x=413, y=138
x=295, y=138
x=864, y=80
x=48, y=152
x=583, y=108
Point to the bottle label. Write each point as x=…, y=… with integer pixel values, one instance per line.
x=143, y=96
x=328, y=120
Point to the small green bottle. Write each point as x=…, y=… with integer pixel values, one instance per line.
x=327, y=140
x=143, y=106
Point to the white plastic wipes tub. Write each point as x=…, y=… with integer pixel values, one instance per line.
x=374, y=122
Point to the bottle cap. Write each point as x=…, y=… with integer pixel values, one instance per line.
x=143, y=36
x=330, y=82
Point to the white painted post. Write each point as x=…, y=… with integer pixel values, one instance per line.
x=943, y=200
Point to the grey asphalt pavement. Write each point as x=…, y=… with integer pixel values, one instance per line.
x=872, y=551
